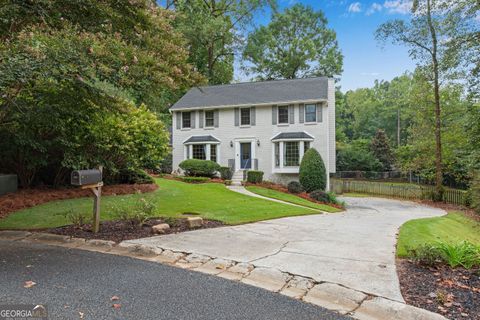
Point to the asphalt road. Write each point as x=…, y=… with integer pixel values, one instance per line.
x=72, y=283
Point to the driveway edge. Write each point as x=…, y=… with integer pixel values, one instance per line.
x=341, y=299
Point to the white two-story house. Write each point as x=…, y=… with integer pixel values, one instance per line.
x=264, y=126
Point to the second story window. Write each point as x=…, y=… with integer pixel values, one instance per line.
x=283, y=114
x=245, y=116
x=186, y=119
x=209, y=119
x=310, y=113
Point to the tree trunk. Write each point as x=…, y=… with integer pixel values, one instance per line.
x=438, y=122
x=398, y=127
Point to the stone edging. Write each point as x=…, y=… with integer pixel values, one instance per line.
x=343, y=300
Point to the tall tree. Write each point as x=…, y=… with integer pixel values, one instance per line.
x=380, y=147
x=213, y=30
x=295, y=44
x=427, y=40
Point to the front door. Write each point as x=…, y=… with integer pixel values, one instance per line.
x=245, y=155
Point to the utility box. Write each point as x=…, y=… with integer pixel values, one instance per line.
x=8, y=183
x=86, y=177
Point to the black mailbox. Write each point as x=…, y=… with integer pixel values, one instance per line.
x=86, y=177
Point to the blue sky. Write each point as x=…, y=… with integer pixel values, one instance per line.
x=355, y=23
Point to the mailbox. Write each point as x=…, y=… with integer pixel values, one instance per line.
x=86, y=177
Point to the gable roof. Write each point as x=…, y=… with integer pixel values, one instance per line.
x=254, y=93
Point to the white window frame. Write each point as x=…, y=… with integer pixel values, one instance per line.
x=282, y=168
x=315, y=113
x=188, y=150
x=213, y=118
x=190, y=113
x=249, y=117
x=278, y=115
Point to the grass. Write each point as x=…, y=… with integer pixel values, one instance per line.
x=291, y=198
x=453, y=228
x=172, y=199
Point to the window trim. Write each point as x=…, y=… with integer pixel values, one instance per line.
x=315, y=112
x=278, y=115
x=205, y=118
x=284, y=155
x=249, y=117
x=183, y=119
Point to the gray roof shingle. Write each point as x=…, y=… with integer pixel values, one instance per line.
x=251, y=93
x=292, y=135
x=198, y=139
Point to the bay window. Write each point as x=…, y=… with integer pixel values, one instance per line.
x=199, y=151
x=291, y=154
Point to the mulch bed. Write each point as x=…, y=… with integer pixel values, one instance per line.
x=453, y=293
x=27, y=198
x=124, y=230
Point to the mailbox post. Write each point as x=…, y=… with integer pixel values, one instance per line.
x=91, y=179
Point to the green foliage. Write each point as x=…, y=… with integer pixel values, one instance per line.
x=132, y=176
x=357, y=156
x=319, y=195
x=296, y=43
x=195, y=179
x=199, y=168
x=312, y=174
x=137, y=214
x=294, y=187
x=226, y=173
x=254, y=176
x=381, y=150
x=77, y=219
x=463, y=254
x=79, y=81
x=475, y=192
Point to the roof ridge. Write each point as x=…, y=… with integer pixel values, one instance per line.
x=259, y=81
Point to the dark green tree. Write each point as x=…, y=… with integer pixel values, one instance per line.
x=296, y=43
x=313, y=175
x=380, y=147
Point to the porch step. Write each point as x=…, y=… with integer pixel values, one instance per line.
x=237, y=178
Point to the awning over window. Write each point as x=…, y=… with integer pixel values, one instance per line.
x=201, y=139
x=300, y=136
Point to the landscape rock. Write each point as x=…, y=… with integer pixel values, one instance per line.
x=297, y=287
x=160, y=228
x=169, y=257
x=194, y=222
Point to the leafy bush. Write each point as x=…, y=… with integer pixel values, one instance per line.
x=254, y=176
x=199, y=168
x=357, y=156
x=225, y=173
x=313, y=175
x=294, y=187
x=138, y=214
x=319, y=195
x=463, y=254
x=77, y=219
x=135, y=176
x=194, y=179
x=475, y=192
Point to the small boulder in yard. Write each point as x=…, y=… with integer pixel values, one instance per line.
x=194, y=222
x=160, y=228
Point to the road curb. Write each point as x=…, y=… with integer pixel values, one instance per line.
x=359, y=305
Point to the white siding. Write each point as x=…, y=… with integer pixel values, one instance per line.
x=263, y=131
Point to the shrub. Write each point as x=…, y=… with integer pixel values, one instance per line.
x=135, y=176
x=319, y=195
x=463, y=254
x=312, y=171
x=426, y=254
x=137, y=215
x=194, y=179
x=294, y=187
x=76, y=219
x=225, y=173
x=254, y=176
x=199, y=168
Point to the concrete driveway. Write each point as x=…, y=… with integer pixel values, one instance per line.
x=355, y=249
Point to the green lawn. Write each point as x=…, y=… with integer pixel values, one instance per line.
x=173, y=198
x=291, y=198
x=454, y=227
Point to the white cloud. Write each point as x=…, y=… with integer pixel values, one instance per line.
x=355, y=7
x=374, y=8
x=398, y=6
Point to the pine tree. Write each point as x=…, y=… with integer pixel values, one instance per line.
x=381, y=149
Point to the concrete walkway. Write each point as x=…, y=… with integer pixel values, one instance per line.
x=355, y=249
x=243, y=190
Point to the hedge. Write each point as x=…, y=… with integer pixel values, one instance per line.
x=199, y=168
x=194, y=179
x=225, y=173
x=312, y=174
x=294, y=187
x=254, y=176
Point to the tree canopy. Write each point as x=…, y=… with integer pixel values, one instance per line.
x=296, y=43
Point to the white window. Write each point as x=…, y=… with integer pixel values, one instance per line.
x=209, y=119
x=277, y=154
x=186, y=119
x=310, y=113
x=291, y=154
x=199, y=151
x=245, y=116
x=213, y=152
x=283, y=114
